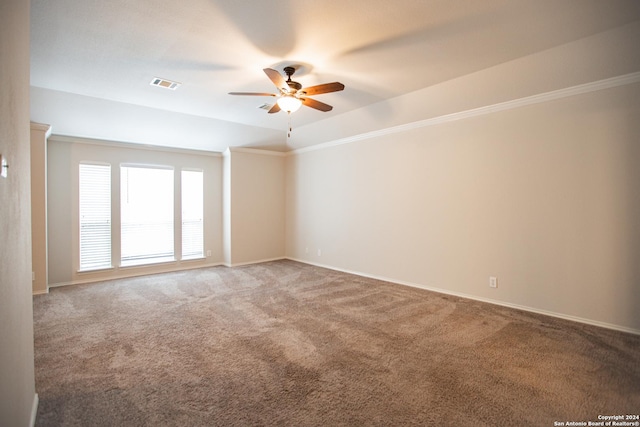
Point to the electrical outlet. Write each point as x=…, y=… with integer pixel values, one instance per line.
x=209, y=253
x=493, y=282
x=319, y=252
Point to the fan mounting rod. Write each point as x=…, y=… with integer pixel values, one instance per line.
x=289, y=72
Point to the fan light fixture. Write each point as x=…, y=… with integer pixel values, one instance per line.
x=291, y=95
x=289, y=103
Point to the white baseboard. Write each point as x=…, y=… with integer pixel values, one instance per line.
x=481, y=299
x=34, y=410
x=133, y=273
x=386, y=279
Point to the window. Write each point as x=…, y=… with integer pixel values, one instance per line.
x=148, y=220
x=95, y=216
x=146, y=215
x=192, y=214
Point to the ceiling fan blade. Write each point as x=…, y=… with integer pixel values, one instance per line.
x=274, y=109
x=316, y=104
x=323, y=88
x=252, y=93
x=277, y=79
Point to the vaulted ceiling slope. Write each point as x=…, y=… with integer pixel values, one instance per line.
x=92, y=61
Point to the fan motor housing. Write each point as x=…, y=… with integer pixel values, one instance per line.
x=294, y=85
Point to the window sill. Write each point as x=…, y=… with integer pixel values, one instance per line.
x=145, y=262
x=95, y=269
x=195, y=258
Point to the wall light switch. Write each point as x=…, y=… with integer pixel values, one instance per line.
x=3, y=166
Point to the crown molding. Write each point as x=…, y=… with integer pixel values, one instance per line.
x=249, y=150
x=132, y=145
x=42, y=128
x=612, y=82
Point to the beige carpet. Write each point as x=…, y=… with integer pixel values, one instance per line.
x=289, y=344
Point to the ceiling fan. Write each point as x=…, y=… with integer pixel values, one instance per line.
x=292, y=95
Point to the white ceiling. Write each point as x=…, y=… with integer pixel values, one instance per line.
x=92, y=60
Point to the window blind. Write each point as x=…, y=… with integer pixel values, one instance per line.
x=95, y=216
x=192, y=214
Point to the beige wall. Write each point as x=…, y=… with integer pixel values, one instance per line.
x=255, y=218
x=65, y=154
x=39, y=135
x=542, y=194
x=17, y=384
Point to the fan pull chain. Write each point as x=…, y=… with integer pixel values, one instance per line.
x=289, y=121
